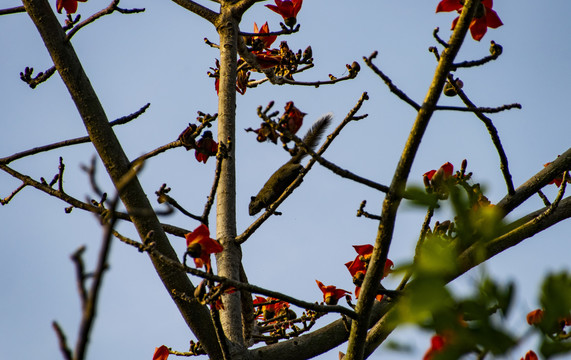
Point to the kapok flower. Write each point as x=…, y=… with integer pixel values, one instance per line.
x=530, y=355
x=442, y=174
x=205, y=147
x=70, y=6
x=436, y=180
x=358, y=267
x=534, y=317
x=199, y=245
x=292, y=119
x=266, y=41
x=267, y=59
x=331, y=294
x=484, y=18
x=276, y=306
x=161, y=353
x=287, y=9
x=437, y=343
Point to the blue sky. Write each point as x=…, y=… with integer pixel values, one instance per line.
x=159, y=57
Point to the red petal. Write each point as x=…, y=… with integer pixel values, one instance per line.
x=161, y=353
x=448, y=5
x=363, y=249
x=492, y=19
x=478, y=28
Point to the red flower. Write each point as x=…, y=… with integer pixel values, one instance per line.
x=267, y=59
x=205, y=147
x=161, y=353
x=287, y=9
x=269, y=311
x=437, y=343
x=534, y=317
x=444, y=172
x=530, y=355
x=199, y=245
x=331, y=294
x=292, y=118
x=485, y=17
x=359, y=265
x=265, y=40
x=70, y=6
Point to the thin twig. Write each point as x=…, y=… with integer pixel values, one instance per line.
x=395, y=90
x=108, y=10
x=75, y=203
x=14, y=10
x=62, y=340
x=81, y=140
x=480, y=109
x=493, y=134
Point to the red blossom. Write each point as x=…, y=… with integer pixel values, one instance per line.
x=265, y=40
x=359, y=265
x=267, y=59
x=199, y=245
x=331, y=294
x=437, y=343
x=205, y=147
x=269, y=311
x=530, y=355
x=70, y=6
x=161, y=353
x=444, y=172
x=485, y=16
x=292, y=117
x=534, y=317
x=287, y=9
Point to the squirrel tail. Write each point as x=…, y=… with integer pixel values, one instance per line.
x=313, y=136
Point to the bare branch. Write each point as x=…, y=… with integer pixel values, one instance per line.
x=81, y=140
x=493, y=134
x=395, y=90
x=14, y=10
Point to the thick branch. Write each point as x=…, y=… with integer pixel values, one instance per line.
x=393, y=197
x=117, y=164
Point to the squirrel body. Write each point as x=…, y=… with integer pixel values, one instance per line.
x=288, y=172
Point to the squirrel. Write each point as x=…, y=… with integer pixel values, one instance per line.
x=286, y=174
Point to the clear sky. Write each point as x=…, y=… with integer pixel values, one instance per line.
x=159, y=57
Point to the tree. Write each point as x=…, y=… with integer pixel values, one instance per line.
x=232, y=148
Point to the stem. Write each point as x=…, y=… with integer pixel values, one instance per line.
x=228, y=261
x=392, y=200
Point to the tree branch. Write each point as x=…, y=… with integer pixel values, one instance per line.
x=392, y=200
x=117, y=164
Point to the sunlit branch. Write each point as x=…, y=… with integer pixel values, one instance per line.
x=395, y=90
x=393, y=198
x=362, y=212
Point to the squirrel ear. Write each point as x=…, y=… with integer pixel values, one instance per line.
x=252, y=198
